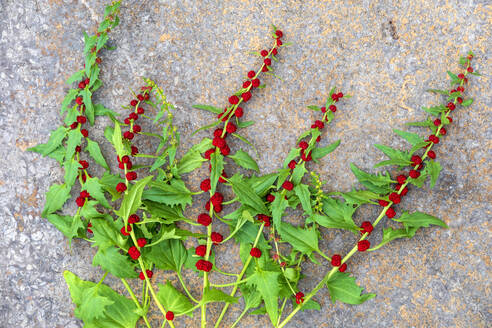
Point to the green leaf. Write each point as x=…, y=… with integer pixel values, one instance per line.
x=303, y=240
x=95, y=189
x=71, y=95
x=247, y=195
x=412, y=138
x=77, y=76
x=396, y=161
x=442, y=92
x=278, y=207
x=107, y=234
x=216, y=295
x=244, y=124
x=434, y=168
x=243, y=159
x=377, y=183
x=71, y=172
x=217, y=162
x=358, y=197
x=395, y=154
x=454, y=77
x=467, y=102
x=190, y=161
x=168, y=255
x=298, y=173
x=167, y=213
x=68, y=225
x=267, y=284
x=208, y=108
x=100, y=110
x=117, y=140
x=111, y=260
x=343, y=287
x=172, y=194
x=55, y=141
x=262, y=183
x=294, y=152
x=55, y=198
x=74, y=139
x=133, y=199
x=302, y=191
x=89, y=107
x=173, y=300
x=310, y=305
x=338, y=215
x=101, y=41
x=207, y=127
x=315, y=108
x=390, y=234
x=58, y=154
x=95, y=152
x=419, y=220
x=120, y=313
x=435, y=110
x=320, y=152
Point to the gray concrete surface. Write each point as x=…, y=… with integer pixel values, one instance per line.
x=385, y=53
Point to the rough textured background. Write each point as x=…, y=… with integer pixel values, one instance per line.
x=383, y=53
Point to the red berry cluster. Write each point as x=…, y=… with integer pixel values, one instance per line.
x=336, y=260
x=219, y=142
x=299, y=297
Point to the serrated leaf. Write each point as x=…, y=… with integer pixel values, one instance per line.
x=262, y=183
x=278, y=207
x=343, y=287
x=244, y=124
x=55, y=141
x=244, y=160
x=442, y=92
x=100, y=110
x=377, y=183
x=121, y=313
x=339, y=215
x=117, y=140
x=358, y=197
x=71, y=168
x=434, y=168
x=467, y=102
x=267, y=285
x=320, y=152
x=69, y=97
x=95, y=152
x=173, y=300
x=95, y=189
x=89, y=107
x=315, y=108
x=75, y=77
x=106, y=233
x=56, y=197
x=435, y=110
x=395, y=161
x=172, y=194
x=390, y=234
x=207, y=127
x=298, y=173
x=65, y=224
x=294, y=153
x=132, y=199
x=419, y=220
x=302, y=191
x=208, y=108
x=190, y=161
x=74, y=139
x=167, y=213
x=217, y=163
x=303, y=240
x=111, y=260
x=170, y=254
x=216, y=295
x=247, y=195
x=412, y=138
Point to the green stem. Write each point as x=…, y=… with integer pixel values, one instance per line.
x=135, y=300
x=240, y=317
x=180, y=278
x=231, y=283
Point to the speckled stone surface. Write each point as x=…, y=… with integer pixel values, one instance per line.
x=385, y=53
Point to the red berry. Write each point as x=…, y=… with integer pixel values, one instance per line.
x=461, y=76
x=120, y=187
x=233, y=100
x=390, y=213
x=127, y=165
x=205, y=185
x=303, y=145
x=323, y=109
x=169, y=315
x=299, y=297
x=208, y=153
x=435, y=139
x=451, y=106
x=274, y=51
x=201, y=250
x=78, y=149
x=318, y=139
x=395, y=198
x=79, y=100
x=126, y=232
x=81, y=85
x=336, y=260
x=279, y=42
x=459, y=100
x=84, y=132
x=264, y=53
x=279, y=33
x=437, y=122
x=460, y=89
x=401, y=179
x=239, y=112
x=225, y=150
x=140, y=110
x=264, y=69
x=137, y=128
x=363, y=245
x=216, y=237
x=87, y=81
x=333, y=108
x=306, y=158
x=203, y=265
x=204, y=219
x=134, y=150
x=80, y=201
x=343, y=267
x=84, y=164
x=404, y=191
x=74, y=125
x=133, y=116
x=128, y=135
x=366, y=227
x=431, y=154
x=383, y=203
x=470, y=69
x=255, y=83
x=217, y=199
x=416, y=160
x=131, y=176
x=246, y=84
x=134, y=103
x=414, y=174
x=251, y=74
x=146, y=96
x=134, y=218
x=450, y=119
x=319, y=124
x=270, y=198
x=442, y=131
x=255, y=252
x=140, y=97
x=288, y=185
x=292, y=164
x=148, y=272
x=134, y=253
x=231, y=128
x=84, y=194
x=268, y=61
x=81, y=119
x=141, y=242
x=246, y=96
x=218, y=142
x=127, y=121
